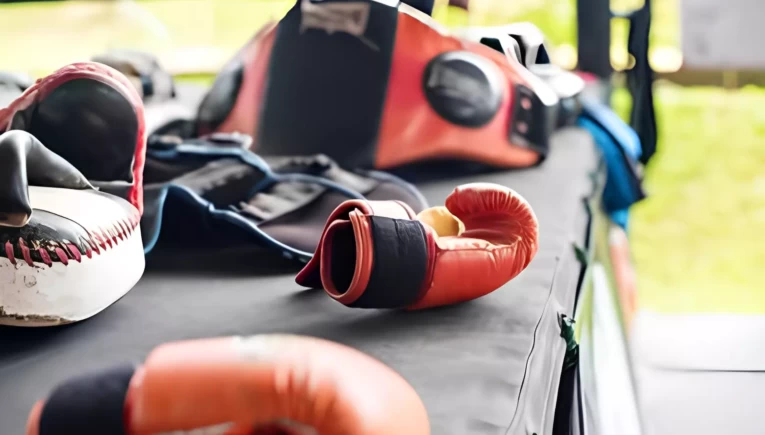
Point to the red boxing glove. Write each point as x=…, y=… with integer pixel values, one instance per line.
x=261, y=385
x=378, y=254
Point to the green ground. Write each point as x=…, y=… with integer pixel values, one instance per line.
x=696, y=239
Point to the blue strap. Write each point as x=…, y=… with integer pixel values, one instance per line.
x=182, y=150
x=621, y=150
x=192, y=198
x=624, y=136
x=254, y=160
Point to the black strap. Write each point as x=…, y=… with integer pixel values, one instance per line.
x=640, y=81
x=425, y=6
x=91, y=404
x=400, y=263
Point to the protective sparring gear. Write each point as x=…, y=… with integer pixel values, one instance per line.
x=525, y=43
x=61, y=241
x=381, y=255
x=92, y=116
x=282, y=203
x=531, y=41
x=235, y=386
x=535, y=55
x=568, y=86
x=379, y=84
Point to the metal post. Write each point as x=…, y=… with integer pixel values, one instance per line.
x=593, y=19
x=640, y=81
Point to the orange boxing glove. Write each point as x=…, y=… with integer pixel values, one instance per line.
x=378, y=254
x=261, y=385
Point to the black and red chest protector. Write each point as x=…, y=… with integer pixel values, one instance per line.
x=376, y=83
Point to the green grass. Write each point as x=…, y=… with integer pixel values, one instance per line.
x=48, y=35
x=696, y=238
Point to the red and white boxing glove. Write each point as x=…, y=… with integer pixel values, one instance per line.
x=261, y=385
x=379, y=254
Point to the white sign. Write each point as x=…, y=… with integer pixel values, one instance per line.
x=723, y=34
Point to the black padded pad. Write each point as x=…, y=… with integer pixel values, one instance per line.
x=88, y=123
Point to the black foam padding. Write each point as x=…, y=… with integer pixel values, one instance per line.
x=89, y=404
x=399, y=265
x=326, y=86
x=91, y=125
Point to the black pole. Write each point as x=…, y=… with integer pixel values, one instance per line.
x=593, y=20
x=640, y=81
x=425, y=6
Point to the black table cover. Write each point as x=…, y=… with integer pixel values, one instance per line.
x=491, y=366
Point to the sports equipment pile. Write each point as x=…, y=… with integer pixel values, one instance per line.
x=284, y=152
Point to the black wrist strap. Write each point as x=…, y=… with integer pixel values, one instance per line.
x=90, y=404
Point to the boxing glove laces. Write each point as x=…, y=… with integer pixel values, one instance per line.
x=260, y=385
x=379, y=254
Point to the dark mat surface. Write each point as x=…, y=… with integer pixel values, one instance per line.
x=490, y=366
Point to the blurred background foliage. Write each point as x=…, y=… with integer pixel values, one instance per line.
x=200, y=34
x=696, y=239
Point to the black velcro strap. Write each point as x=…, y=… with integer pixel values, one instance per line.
x=399, y=265
x=91, y=404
